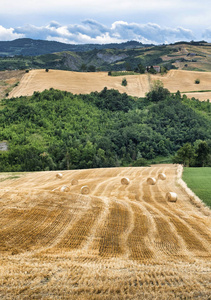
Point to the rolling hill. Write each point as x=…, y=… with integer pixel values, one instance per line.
x=138, y=85
x=117, y=241
x=30, y=47
x=35, y=54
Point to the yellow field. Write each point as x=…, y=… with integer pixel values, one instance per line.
x=117, y=242
x=138, y=85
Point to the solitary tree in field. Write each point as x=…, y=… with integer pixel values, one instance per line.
x=157, y=92
x=124, y=81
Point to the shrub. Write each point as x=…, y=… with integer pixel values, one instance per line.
x=141, y=162
x=124, y=81
x=197, y=81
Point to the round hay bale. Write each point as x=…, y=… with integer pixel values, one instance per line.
x=59, y=175
x=65, y=188
x=162, y=176
x=171, y=197
x=85, y=190
x=125, y=181
x=74, y=182
x=151, y=181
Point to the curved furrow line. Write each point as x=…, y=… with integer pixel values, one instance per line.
x=133, y=188
x=153, y=196
x=108, y=238
x=162, y=235
x=91, y=183
x=77, y=234
x=166, y=240
x=185, y=207
x=146, y=196
x=193, y=241
x=102, y=187
x=91, y=240
x=128, y=192
x=151, y=203
x=138, y=247
x=139, y=239
x=128, y=230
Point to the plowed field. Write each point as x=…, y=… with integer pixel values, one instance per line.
x=138, y=85
x=117, y=242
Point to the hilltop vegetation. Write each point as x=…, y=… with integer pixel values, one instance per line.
x=30, y=47
x=59, y=130
x=27, y=53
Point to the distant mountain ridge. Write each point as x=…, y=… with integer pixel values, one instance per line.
x=22, y=54
x=30, y=47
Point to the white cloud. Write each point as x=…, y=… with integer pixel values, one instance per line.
x=8, y=34
x=91, y=31
x=207, y=33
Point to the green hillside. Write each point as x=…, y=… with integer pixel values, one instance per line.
x=26, y=53
x=59, y=130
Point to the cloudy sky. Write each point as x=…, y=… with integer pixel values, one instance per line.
x=106, y=21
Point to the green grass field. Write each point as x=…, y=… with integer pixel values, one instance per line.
x=199, y=181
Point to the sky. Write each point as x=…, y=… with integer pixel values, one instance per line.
x=106, y=21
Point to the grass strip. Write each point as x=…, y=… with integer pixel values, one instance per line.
x=198, y=180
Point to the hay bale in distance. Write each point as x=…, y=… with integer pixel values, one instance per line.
x=59, y=175
x=171, y=197
x=162, y=176
x=74, y=182
x=85, y=190
x=125, y=181
x=65, y=188
x=151, y=181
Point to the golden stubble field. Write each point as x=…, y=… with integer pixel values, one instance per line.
x=138, y=85
x=117, y=242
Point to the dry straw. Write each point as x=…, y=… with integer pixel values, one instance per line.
x=74, y=182
x=171, y=197
x=162, y=176
x=65, y=188
x=85, y=190
x=151, y=181
x=125, y=181
x=59, y=175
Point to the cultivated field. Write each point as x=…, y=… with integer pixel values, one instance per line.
x=138, y=85
x=117, y=242
x=8, y=79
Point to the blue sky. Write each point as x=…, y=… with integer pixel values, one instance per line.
x=105, y=21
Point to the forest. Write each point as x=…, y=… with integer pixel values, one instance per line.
x=55, y=130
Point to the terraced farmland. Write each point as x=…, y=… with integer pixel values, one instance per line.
x=117, y=242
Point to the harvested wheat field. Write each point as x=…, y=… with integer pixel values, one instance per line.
x=117, y=242
x=138, y=85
